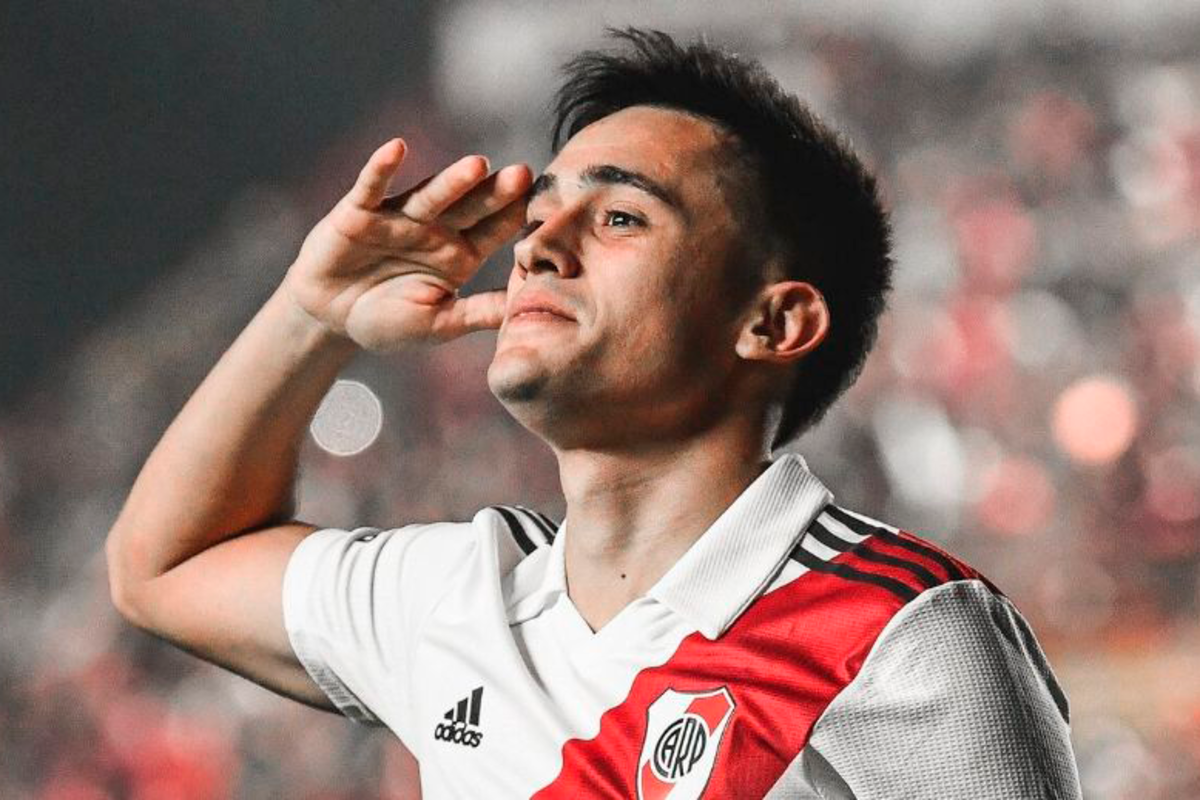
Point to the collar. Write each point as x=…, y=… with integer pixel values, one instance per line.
x=723, y=572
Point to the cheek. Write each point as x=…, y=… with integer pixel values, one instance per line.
x=658, y=336
x=664, y=311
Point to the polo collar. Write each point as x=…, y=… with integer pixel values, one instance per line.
x=724, y=571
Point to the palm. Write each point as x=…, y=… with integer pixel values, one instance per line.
x=385, y=271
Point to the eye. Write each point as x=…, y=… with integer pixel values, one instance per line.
x=528, y=228
x=622, y=219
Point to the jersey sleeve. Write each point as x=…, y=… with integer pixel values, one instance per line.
x=353, y=605
x=956, y=699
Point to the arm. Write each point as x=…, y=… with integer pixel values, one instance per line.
x=198, y=553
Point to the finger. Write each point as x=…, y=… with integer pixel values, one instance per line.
x=493, y=194
x=396, y=201
x=476, y=312
x=371, y=187
x=491, y=233
x=440, y=251
x=445, y=188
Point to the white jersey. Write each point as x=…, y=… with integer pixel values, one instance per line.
x=796, y=650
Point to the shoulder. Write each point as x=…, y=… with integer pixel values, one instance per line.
x=861, y=552
x=955, y=699
x=954, y=689
x=406, y=570
x=962, y=633
x=330, y=546
x=862, y=578
x=517, y=531
x=931, y=607
x=520, y=526
x=503, y=535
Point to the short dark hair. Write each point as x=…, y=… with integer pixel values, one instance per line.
x=820, y=205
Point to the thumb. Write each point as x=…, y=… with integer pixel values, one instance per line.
x=477, y=312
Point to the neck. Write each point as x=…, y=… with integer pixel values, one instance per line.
x=633, y=514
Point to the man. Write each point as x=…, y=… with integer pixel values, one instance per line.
x=699, y=274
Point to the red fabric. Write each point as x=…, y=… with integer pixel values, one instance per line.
x=889, y=548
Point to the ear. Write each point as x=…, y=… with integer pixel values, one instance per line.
x=789, y=319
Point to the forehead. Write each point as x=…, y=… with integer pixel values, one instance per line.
x=674, y=147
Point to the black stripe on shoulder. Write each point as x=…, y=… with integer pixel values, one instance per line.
x=861, y=527
x=548, y=526
x=537, y=530
x=901, y=590
x=927, y=578
x=522, y=539
x=867, y=529
x=952, y=569
x=828, y=537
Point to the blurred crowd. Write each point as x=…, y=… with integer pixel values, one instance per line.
x=1033, y=404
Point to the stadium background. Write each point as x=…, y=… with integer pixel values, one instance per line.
x=1033, y=402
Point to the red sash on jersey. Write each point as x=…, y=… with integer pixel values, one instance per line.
x=781, y=663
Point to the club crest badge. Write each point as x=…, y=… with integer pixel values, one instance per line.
x=683, y=735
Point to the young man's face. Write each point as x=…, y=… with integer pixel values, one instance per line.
x=622, y=305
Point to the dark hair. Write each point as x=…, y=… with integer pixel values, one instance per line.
x=820, y=206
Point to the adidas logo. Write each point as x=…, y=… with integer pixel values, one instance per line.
x=461, y=719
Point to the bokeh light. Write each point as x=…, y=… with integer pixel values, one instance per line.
x=348, y=420
x=921, y=451
x=1115, y=763
x=1094, y=420
x=1047, y=330
x=1077, y=599
x=1173, y=484
x=1019, y=498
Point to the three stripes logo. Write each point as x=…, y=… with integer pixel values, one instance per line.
x=864, y=551
x=529, y=529
x=462, y=721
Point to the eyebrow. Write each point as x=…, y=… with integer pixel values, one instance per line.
x=610, y=174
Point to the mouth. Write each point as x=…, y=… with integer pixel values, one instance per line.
x=539, y=308
x=538, y=315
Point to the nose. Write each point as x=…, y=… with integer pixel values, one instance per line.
x=550, y=247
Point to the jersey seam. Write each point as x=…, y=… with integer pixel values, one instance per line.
x=816, y=786
x=327, y=680
x=336, y=689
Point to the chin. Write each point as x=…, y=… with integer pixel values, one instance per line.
x=514, y=392
x=514, y=380
x=532, y=396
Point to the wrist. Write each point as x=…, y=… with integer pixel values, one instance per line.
x=301, y=327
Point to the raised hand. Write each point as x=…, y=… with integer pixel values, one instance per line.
x=385, y=270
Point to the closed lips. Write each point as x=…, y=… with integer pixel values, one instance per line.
x=539, y=305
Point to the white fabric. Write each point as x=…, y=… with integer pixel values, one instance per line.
x=354, y=599
x=399, y=627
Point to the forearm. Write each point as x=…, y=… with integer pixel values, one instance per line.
x=227, y=463
x=200, y=552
